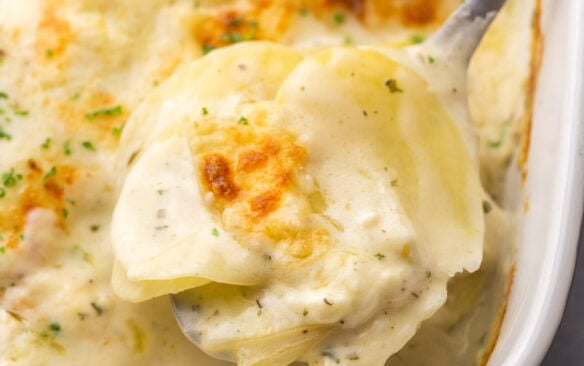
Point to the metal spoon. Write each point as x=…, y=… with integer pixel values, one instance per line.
x=463, y=31
x=456, y=42
x=453, y=46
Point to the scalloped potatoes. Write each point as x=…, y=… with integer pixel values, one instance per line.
x=312, y=209
x=279, y=186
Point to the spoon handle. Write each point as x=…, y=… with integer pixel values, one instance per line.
x=463, y=31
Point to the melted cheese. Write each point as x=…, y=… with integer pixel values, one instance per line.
x=373, y=251
x=71, y=75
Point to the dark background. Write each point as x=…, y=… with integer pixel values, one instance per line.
x=568, y=346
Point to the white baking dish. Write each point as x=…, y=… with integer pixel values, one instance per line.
x=548, y=233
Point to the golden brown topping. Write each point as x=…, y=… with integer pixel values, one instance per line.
x=41, y=187
x=250, y=172
x=54, y=34
x=357, y=7
x=216, y=175
x=226, y=28
x=418, y=12
x=251, y=160
x=270, y=20
x=265, y=203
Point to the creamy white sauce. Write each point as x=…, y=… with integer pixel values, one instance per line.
x=56, y=300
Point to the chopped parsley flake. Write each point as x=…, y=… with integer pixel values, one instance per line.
x=305, y=312
x=431, y=59
x=98, y=309
x=67, y=147
x=243, y=121
x=394, y=183
x=206, y=48
x=233, y=37
x=417, y=38
x=487, y=207
x=65, y=213
x=204, y=111
x=215, y=232
x=55, y=327
x=327, y=301
x=353, y=357
x=339, y=18
x=19, y=112
x=4, y=135
x=46, y=144
x=88, y=145
x=2, y=249
x=2, y=192
x=392, y=86
x=107, y=112
x=3, y=95
x=379, y=256
x=51, y=172
x=505, y=130
x=116, y=131
x=236, y=22
x=10, y=178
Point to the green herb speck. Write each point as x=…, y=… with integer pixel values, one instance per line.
x=4, y=135
x=339, y=18
x=51, y=172
x=67, y=147
x=487, y=207
x=55, y=327
x=98, y=309
x=417, y=38
x=116, y=131
x=9, y=179
x=107, y=112
x=206, y=48
x=392, y=86
x=88, y=145
x=20, y=112
x=47, y=144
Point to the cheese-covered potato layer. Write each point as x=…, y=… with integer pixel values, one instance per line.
x=289, y=168
x=317, y=204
